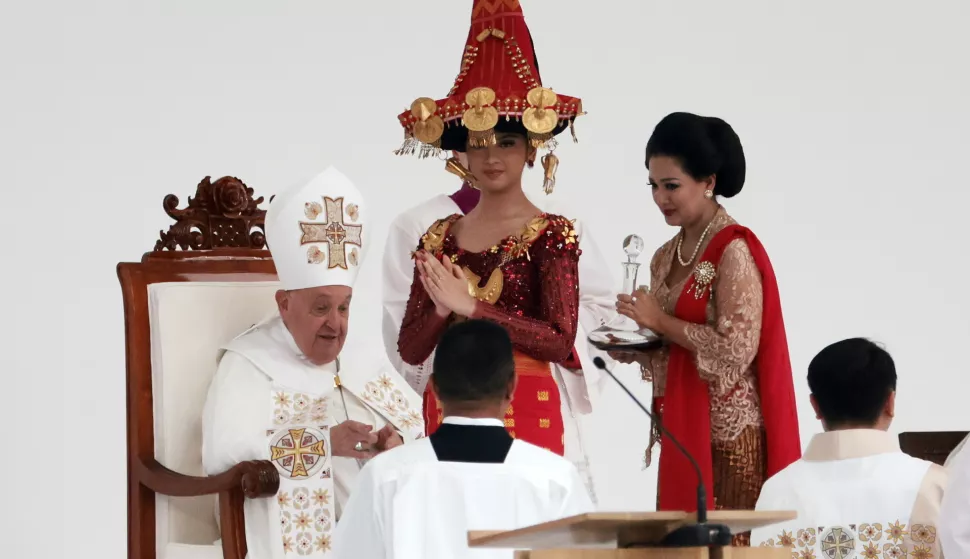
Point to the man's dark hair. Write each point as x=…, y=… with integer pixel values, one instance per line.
x=473, y=362
x=851, y=381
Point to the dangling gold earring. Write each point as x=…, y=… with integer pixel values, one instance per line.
x=708, y=194
x=453, y=165
x=549, y=163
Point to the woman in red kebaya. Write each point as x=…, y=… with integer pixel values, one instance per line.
x=506, y=260
x=723, y=381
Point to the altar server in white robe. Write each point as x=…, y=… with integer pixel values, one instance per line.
x=421, y=499
x=955, y=511
x=856, y=493
x=597, y=299
x=287, y=389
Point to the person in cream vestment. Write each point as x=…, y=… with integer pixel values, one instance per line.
x=287, y=389
x=856, y=493
x=955, y=509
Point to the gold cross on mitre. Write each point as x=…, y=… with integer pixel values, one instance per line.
x=334, y=231
x=297, y=450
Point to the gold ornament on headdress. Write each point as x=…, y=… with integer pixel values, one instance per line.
x=429, y=126
x=539, y=119
x=480, y=119
x=490, y=32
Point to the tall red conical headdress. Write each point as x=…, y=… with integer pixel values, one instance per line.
x=497, y=88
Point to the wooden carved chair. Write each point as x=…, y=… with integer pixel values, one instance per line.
x=180, y=307
x=934, y=446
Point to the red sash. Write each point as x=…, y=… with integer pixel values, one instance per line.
x=687, y=406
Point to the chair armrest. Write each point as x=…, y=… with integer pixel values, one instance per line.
x=256, y=478
x=252, y=479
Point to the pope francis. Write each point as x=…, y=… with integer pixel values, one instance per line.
x=287, y=390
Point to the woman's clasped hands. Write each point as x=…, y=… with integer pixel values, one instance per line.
x=445, y=284
x=643, y=308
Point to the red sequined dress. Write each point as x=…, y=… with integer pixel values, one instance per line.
x=528, y=283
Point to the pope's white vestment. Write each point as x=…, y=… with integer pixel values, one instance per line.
x=268, y=401
x=411, y=504
x=955, y=511
x=597, y=298
x=857, y=495
x=265, y=390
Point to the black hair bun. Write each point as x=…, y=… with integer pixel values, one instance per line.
x=704, y=146
x=730, y=175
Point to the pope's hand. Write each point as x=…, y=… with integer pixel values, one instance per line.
x=388, y=438
x=344, y=439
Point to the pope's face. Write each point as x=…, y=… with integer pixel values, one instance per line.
x=317, y=319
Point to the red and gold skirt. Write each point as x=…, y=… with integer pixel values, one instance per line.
x=535, y=415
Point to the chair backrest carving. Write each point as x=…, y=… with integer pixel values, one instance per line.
x=222, y=214
x=208, y=278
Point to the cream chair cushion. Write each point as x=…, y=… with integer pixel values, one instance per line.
x=189, y=322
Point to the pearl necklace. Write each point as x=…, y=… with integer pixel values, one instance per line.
x=697, y=247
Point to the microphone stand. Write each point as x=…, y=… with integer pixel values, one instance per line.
x=701, y=533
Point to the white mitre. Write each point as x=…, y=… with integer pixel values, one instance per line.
x=315, y=232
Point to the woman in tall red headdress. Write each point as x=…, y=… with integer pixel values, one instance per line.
x=723, y=382
x=506, y=260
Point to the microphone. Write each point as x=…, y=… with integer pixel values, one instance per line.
x=700, y=534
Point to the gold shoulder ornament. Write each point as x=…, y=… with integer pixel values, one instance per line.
x=434, y=237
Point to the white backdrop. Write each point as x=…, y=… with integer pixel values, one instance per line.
x=853, y=116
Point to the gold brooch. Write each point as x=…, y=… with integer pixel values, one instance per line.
x=703, y=278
